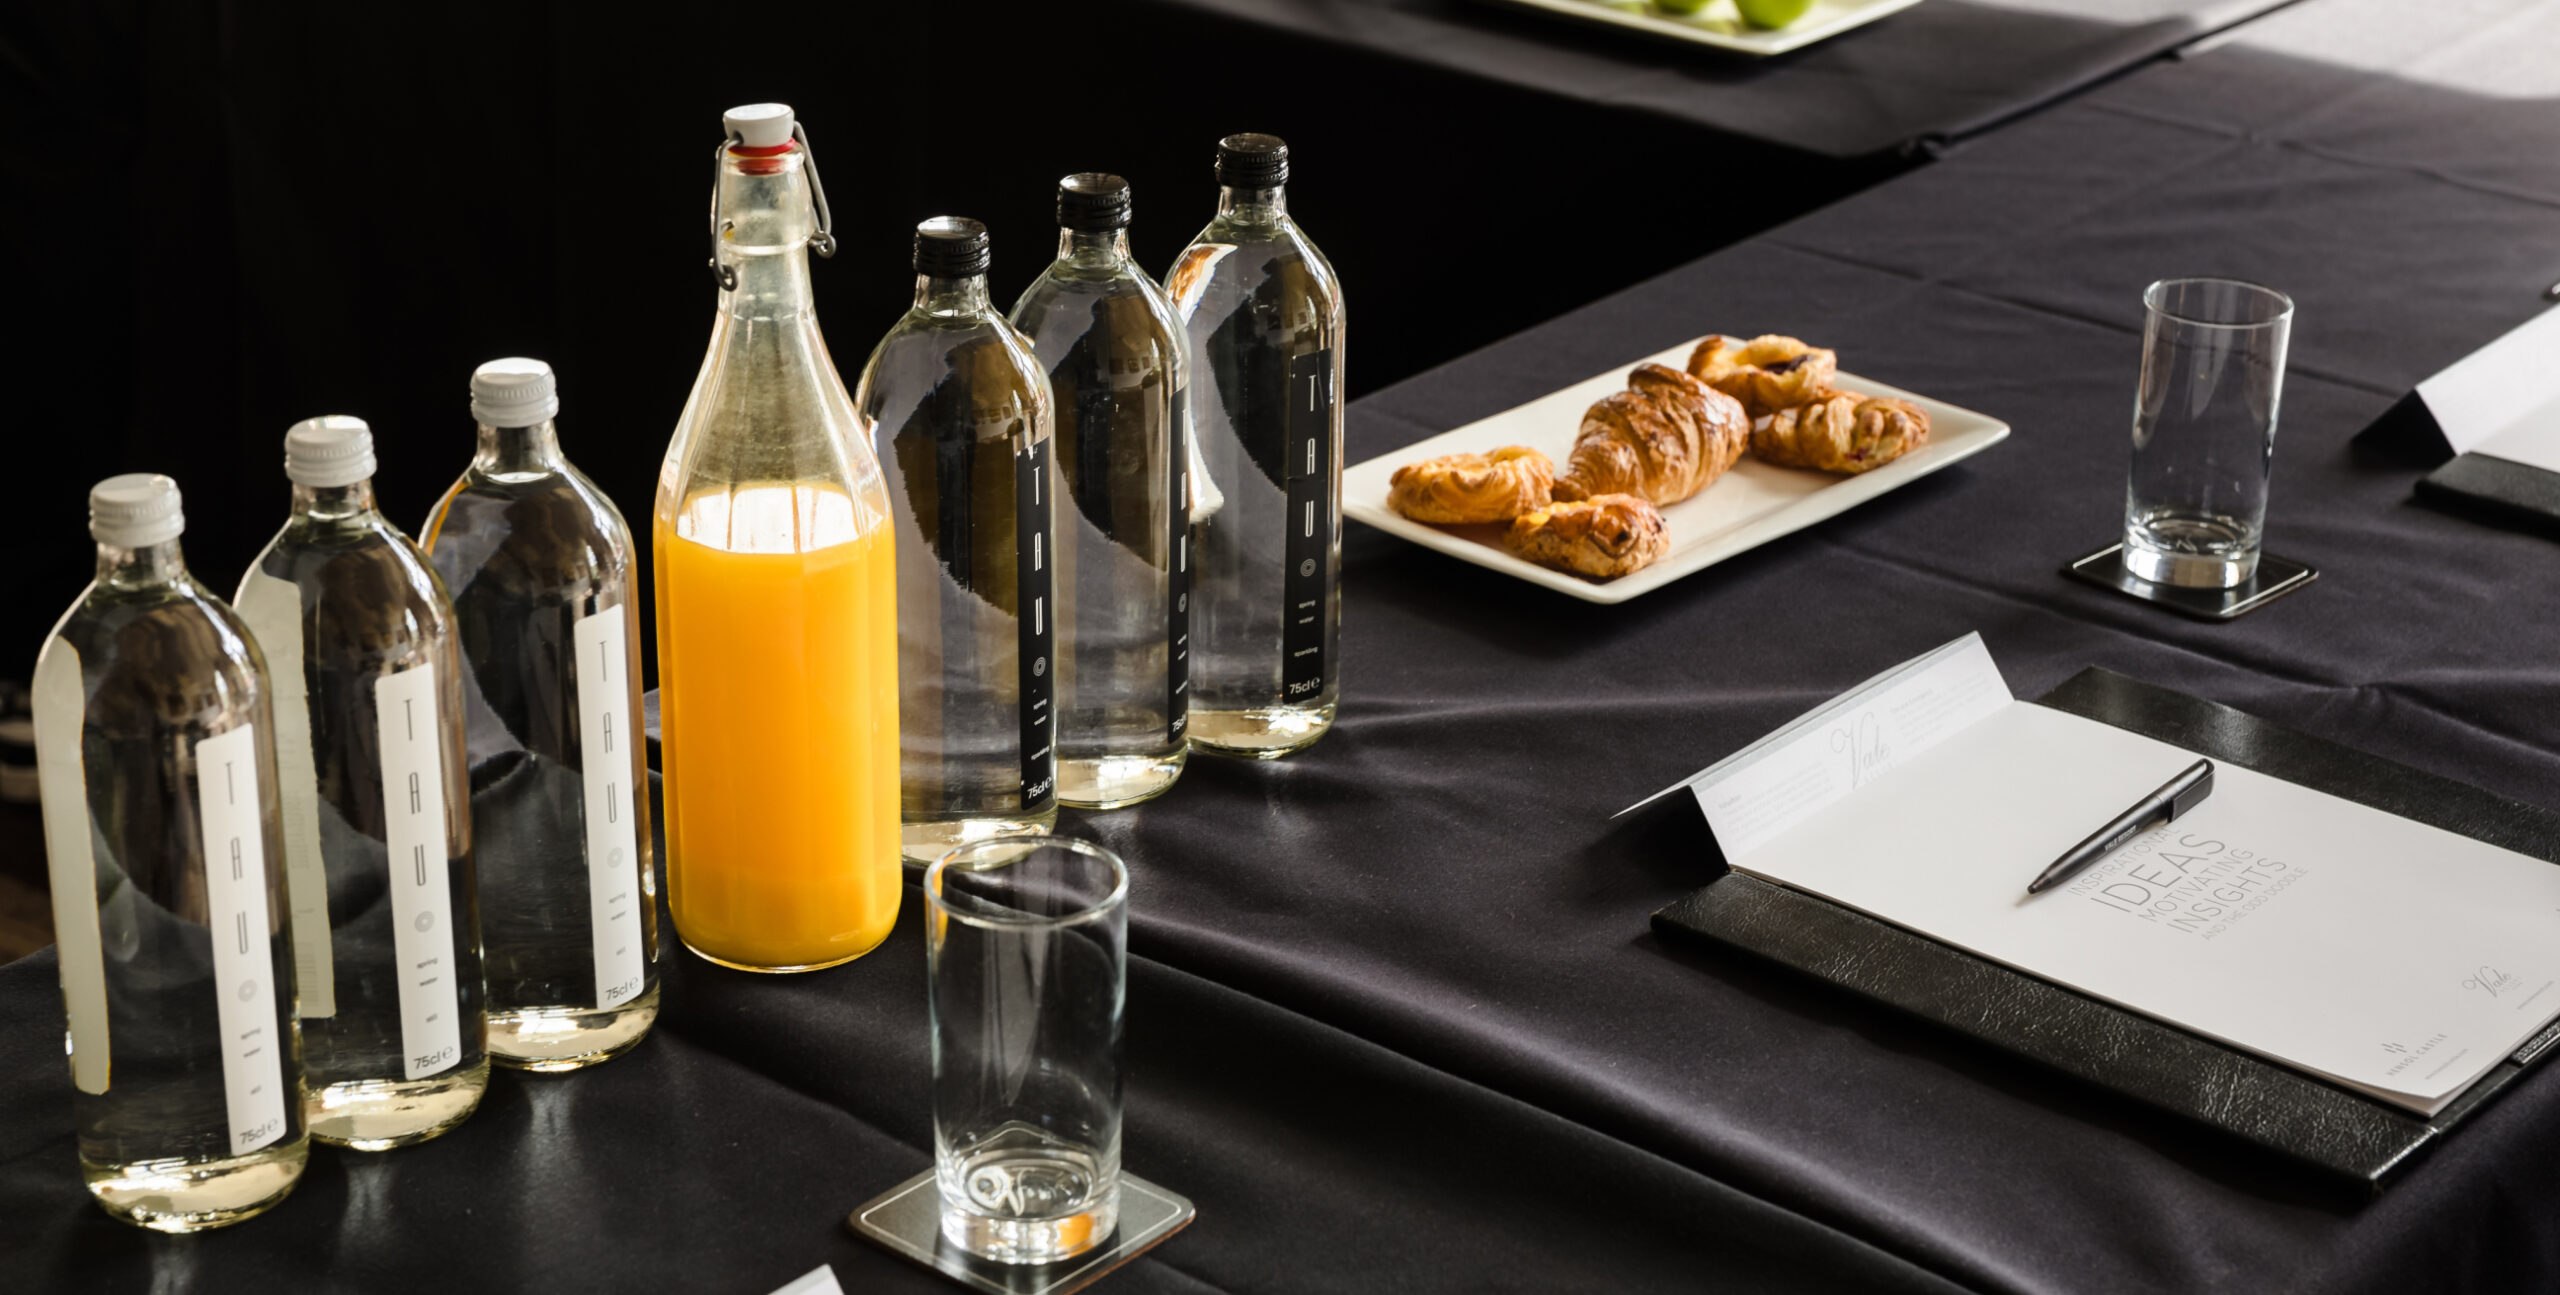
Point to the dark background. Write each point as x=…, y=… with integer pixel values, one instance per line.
x=225, y=216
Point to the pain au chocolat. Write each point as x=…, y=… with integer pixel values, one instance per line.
x=1840, y=431
x=1602, y=537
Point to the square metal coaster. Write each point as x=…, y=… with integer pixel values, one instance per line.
x=2275, y=578
x=907, y=1221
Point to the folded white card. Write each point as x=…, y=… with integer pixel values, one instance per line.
x=1760, y=791
x=2503, y=400
x=2377, y=952
x=820, y=1280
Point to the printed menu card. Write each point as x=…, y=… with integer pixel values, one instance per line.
x=2385, y=955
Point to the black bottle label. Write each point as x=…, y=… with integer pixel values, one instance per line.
x=1177, y=595
x=1037, y=621
x=1307, y=585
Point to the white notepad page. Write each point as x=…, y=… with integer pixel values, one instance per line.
x=2387, y=955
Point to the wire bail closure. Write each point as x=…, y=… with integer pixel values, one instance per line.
x=723, y=275
x=823, y=242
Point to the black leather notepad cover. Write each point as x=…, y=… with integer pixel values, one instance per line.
x=2501, y=490
x=2304, y=1119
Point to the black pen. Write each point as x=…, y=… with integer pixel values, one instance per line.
x=2175, y=798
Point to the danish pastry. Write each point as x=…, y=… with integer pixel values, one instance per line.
x=1841, y=431
x=1603, y=537
x=1665, y=438
x=1766, y=374
x=1455, y=489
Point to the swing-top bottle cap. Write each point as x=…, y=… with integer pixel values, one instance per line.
x=331, y=450
x=951, y=247
x=1093, y=202
x=1253, y=162
x=135, y=510
x=759, y=125
x=514, y=392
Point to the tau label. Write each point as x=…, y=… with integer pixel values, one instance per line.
x=604, y=754
x=414, y=839
x=1306, y=586
x=236, y=916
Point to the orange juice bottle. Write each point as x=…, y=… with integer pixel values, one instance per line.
x=777, y=603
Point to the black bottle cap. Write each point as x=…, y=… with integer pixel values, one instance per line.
x=1092, y=201
x=951, y=247
x=1253, y=162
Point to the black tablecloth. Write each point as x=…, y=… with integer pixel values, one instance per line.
x=1397, y=1021
x=723, y=1154
x=1443, y=877
x=1938, y=71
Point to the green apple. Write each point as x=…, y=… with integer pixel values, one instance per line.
x=1680, y=6
x=1772, y=13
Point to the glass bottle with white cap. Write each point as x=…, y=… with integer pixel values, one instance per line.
x=540, y=566
x=1113, y=349
x=963, y=411
x=359, y=638
x=777, y=608
x=1264, y=312
x=156, y=758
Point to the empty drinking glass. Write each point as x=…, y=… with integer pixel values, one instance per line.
x=1026, y=957
x=2204, y=430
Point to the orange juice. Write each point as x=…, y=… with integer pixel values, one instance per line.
x=778, y=694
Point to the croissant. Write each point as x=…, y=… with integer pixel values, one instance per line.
x=1841, y=431
x=1602, y=538
x=1766, y=374
x=1455, y=489
x=1667, y=437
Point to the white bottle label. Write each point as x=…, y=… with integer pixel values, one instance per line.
x=61, y=703
x=273, y=609
x=235, y=886
x=413, y=753
x=605, y=737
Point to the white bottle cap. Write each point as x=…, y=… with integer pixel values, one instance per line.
x=331, y=450
x=514, y=392
x=135, y=510
x=759, y=125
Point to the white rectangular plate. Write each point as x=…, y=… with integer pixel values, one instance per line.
x=1746, y=507
x=1721, y=25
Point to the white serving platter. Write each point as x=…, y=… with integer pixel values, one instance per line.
x=1721, y=25
x=1748, y=506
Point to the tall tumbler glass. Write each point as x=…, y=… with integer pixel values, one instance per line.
x=1026, y=953
x=2204, y=430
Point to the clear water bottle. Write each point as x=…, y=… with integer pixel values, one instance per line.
x=156, y=758
x=1108, y=337
x=358, y=633
x=1264, y=314
x=541, y=570
x=961, y=408
x=777, y=602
